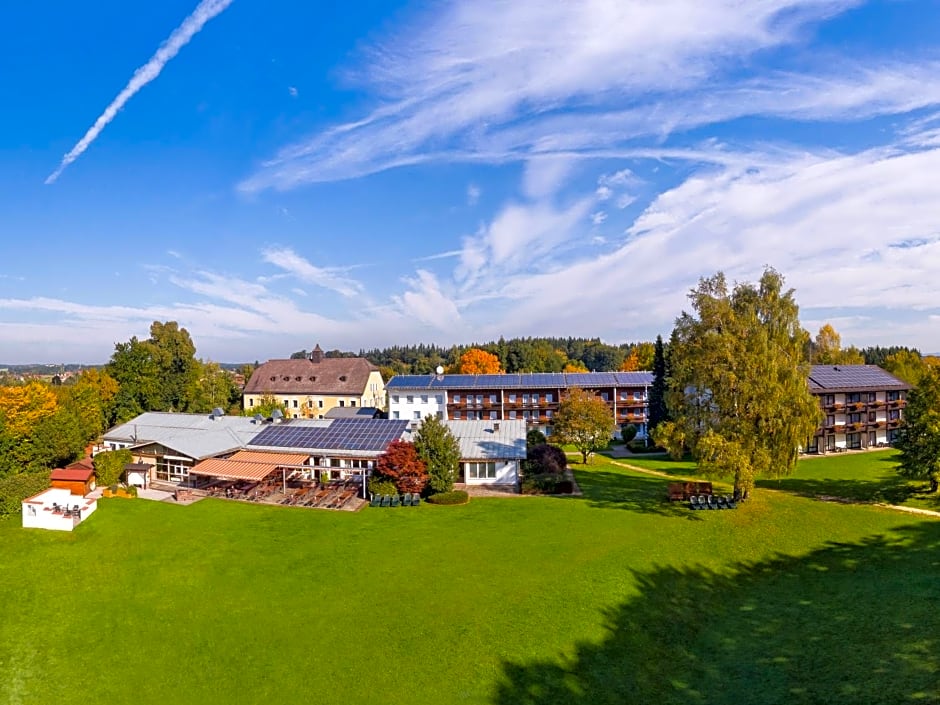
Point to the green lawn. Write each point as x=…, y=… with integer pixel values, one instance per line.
x=616, y=597
x=865, y=477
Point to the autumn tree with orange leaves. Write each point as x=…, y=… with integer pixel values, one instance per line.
x=478, y=362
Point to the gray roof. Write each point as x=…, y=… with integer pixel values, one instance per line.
x=490, y=440
x=194, y=435
x=851, y=378
x=535, y=380
x=351, y=412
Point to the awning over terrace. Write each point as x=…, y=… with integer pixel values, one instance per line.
x=252, y=466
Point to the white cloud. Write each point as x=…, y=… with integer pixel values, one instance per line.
x=484, y=79
x=205, y=11
x=428, y=304
x=335, y=279
x=598, y=217
x=292, y=91
x=473, y=194
x=544, y=176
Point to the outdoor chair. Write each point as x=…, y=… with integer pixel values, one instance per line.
x=415, y=499
x=730, y=501
x=376, y=500
x=693, y=502
x=386, y=500
x=722, y=502
x=395, y=500
x=406, y=500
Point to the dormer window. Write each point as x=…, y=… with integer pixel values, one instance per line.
x=342, y=378
x=313, y=378
x=273, y=378
x=297, y=378
x=286, y=378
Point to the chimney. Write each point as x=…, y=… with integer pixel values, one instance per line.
x=316, y=355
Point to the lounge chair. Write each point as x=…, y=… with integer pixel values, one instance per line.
x=386, y=500
x=693, y=502
x=406, y=500
x=396, y=500
x=710, y=503
x=415, y=499
x=730, y=502
x=722, y=502
x=376, y=500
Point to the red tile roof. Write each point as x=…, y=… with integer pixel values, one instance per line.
x=71, y=474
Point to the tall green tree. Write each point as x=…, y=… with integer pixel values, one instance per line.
x=907, y=365
x=584, y=421
x=109, y=465
x=827, y=349
x=658, y=412
x=440, y=451
x=919, y=438
x=738, y=389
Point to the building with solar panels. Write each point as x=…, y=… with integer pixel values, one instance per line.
x=310, y=387
x=533, y=398
x=862, y=405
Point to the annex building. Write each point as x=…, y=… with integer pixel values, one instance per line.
x=310, y=387
x=862, y=405
x=532, y=398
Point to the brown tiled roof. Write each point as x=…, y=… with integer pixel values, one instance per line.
x=71, y=474
x=84, y=463
x=332, y=375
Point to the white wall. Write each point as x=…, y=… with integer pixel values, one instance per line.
x=38, y=514
x=414, y=405
x=507, y=473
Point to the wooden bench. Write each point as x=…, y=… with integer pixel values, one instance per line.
x=681, y=491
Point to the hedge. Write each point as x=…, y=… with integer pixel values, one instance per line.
x=15, y=488
x=453, y=497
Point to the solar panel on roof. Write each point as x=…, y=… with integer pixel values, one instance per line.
x=342, y=434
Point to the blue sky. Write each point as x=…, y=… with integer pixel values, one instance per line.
x=273, y=175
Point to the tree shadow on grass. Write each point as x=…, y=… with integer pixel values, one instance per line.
x=893, y=490
x=848, y=623
x=637, y=493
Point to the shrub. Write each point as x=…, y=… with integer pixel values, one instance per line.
x=380, y=486
x=637, y=446
x=131, y=490
x=628, y=432
x=453, y=497
x=534, y=438
x=546, y=483
x=15, y=488
x=546, y=459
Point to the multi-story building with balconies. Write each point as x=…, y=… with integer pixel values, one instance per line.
x=532, y=397
x=862, y=405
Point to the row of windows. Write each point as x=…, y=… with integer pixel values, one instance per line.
x=410, y=398
x=480, y=470
x=293, y=403
x=511, y=398
x=861, y=397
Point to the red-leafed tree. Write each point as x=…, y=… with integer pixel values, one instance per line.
x=400, y=464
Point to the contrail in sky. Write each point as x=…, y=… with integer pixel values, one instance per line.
x=206, y=10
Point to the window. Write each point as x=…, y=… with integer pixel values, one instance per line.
x=172, y=469
x=894, y=414
x=440, y=415
x=439, y=398
x=480, y=470
x=286, y=403
x=855, y=418
x=525, y=398
x=394, y=399
x=417, y=416
x=853, y=441
x=295, y=403
x=830, y=420
x=395, y=415
x=493, y=416
x=548, y=413
x=894, y=396
x=456, y=415
x=512, y=414
x=319, y=403
x=872, y=396
x=342, y=402
x=410, y=399
x=512, y=398
x=624, y=395
x=479, y=400
x=251, y=402
x=456, y=399
x=526, y=414
x=829, y=399
x=352, y=402
x=535, y=398
x=604, y=396
x=549, y=398
x=492, y=398
x=871, y=416
x=424, y=398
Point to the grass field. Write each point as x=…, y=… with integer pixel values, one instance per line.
x=615, y=597
x=864, y=477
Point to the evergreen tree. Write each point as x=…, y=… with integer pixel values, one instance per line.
x=658, y=413
x=439, y=450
